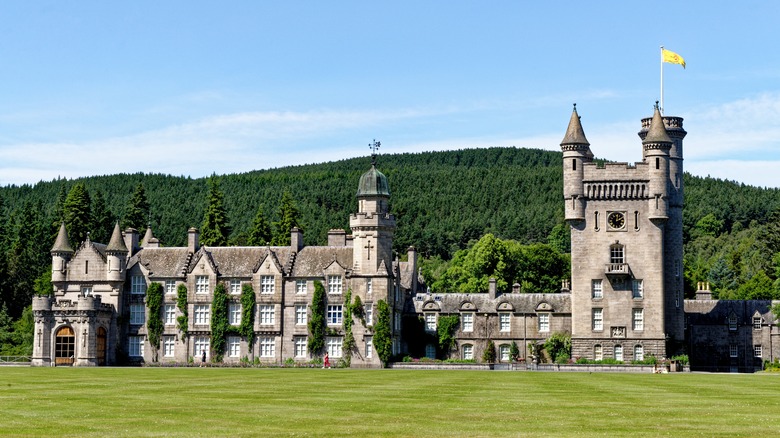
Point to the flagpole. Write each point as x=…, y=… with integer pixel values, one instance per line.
x=662, y=80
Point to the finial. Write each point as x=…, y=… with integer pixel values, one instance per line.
x=87, y=236
x=575, y=106
x=656, y=104
x=374, y=150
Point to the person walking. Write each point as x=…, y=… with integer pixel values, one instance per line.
x=203, y=359
x=326, y=361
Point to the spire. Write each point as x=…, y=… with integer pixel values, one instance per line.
x=147, y=236
x=574, y=133
x=657, y=132
x=117, y=243
x=62, y=244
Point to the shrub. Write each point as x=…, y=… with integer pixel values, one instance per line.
x=558, y=344
x=489, y=355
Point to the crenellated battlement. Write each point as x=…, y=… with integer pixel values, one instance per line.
x=601, y=190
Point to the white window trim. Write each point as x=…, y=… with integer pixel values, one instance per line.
x=597, y=289
x=201, y=284
x=467, y=322
x=505, y=322
x=301, y=314
x=267, y=314
x=267, y=284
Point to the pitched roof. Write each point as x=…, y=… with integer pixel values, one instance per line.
x=163, y=262
x=311, y=261
x=116, y=243
x=62, y=244
x=657, y=132
x=574, y=133
x=522, y=302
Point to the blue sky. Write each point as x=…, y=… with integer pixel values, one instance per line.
x=195, y=88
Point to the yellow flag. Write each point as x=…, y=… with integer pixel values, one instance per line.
x=672, y=58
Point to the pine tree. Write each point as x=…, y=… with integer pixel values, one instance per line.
x=260, y=234
x=288, y=218
x=137, y=212
x=215, y=228
x=78, y=213
x=101, y=219
x=58, y=216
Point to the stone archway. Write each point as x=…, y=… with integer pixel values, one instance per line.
x=101, y=346
x=64, y=346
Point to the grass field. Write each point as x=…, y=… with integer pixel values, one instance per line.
x=340, y=402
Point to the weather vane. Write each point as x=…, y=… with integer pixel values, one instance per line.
x=374, y=150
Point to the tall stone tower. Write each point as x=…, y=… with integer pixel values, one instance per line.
x=626, y=234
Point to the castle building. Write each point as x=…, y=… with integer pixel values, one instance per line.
x=624, y=301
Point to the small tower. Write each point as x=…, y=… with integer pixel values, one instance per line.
x=656, y=145
x=61, y=253
x=116, y=255
x=576, y=152
x=372, y=226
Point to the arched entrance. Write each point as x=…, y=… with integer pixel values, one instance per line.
x=101, y=346
x=64, y=346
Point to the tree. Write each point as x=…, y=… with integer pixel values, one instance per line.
x=215, y=230
x=489, y=356
x=709, y=225
x=288, y=219
x=558, y=346
x=58, y=216
x=154, y=325
x=383, y=339
x=137, y=211
x=316, y=343
x=260, y=234
x=445, y=328
x=78, y=214
x=102, y=222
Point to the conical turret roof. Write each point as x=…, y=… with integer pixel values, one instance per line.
x=574, y=133
x=62, y=244
x=657, y=132
x=147, y=237
x=373, y=183
x=117, y=243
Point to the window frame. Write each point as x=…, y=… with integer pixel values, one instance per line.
x=202, y=314
x=169, y=314
x=234, y=346
x=334, y=314
x=638, y=319
x=597, y=323
x=170, y=287
x=335, y=284
x=267, y=314
x=334, y=345
x=299, y=346
x=467, y=322
x=135, y=346
x=267, y=346
x=468, y=352
x=617, y=352
x=504, y=322
x=137, y=314
x=267, y=284
x=169, y=346
x=202, y=285
x=596, y=288
x=235, y=287
x=234, y=314
x=137, y=285
x=637, y=289
x=301, y=314
x=543, y=322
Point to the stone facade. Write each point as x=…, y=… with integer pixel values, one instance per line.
x=624, y=300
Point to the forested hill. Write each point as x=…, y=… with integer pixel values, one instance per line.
x=441, y=200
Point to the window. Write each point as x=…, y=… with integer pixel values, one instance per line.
x=369, y=347
x=235, y=287
x=300, y=346
x=637, y=289
x=300, y=286
x=503, y=353
x=504, y=322
x=137, y=284
x=598, y=352
x=300, y=314
x=202, y=284
x=430, y=322
x=596, y=289
x=202, y=314
x=638, y=320
x=369, y=314
x=334, y=284
x=430, y=351
x=757, y=351
x=598, y=319
x=267, y=347
x=397, y=320
x=267, y=283
x=201, y=344
x=169, y=346
x=467, y=322
x=170, y=314
x=86, y=290
x=733, y=350
x=170, y=286
x=369, y=286
x=733, y=322
x=468, y=352
x=267, y=315
x=234, y=346
x=544, y=322
x=137, y=314
x=333, y=345
x=618, y=352
x=616, y=254
x=135, y=346
x=234, y=314
x=756, y=323
x=639, y=353
x=334, y=314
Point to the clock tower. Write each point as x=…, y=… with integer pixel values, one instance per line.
x=626, y=244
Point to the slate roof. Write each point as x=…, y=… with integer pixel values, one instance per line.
x=657, y=132
x=715, y=312
x=522, y=303
x=162, y=262
x=312, y=260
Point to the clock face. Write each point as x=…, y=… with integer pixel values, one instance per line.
x=616, y=220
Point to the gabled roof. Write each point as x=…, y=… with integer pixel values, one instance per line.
x=163, y=262
x=519, y=303
x=311, y=261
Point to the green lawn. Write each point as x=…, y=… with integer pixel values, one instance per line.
x=337, y=402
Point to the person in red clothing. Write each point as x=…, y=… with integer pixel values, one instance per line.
x=326, y=361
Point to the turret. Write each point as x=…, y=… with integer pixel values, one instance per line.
x=373, y=226
x=116, y=256
x=656, y=145
x=61, y=253
x=576, y=152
